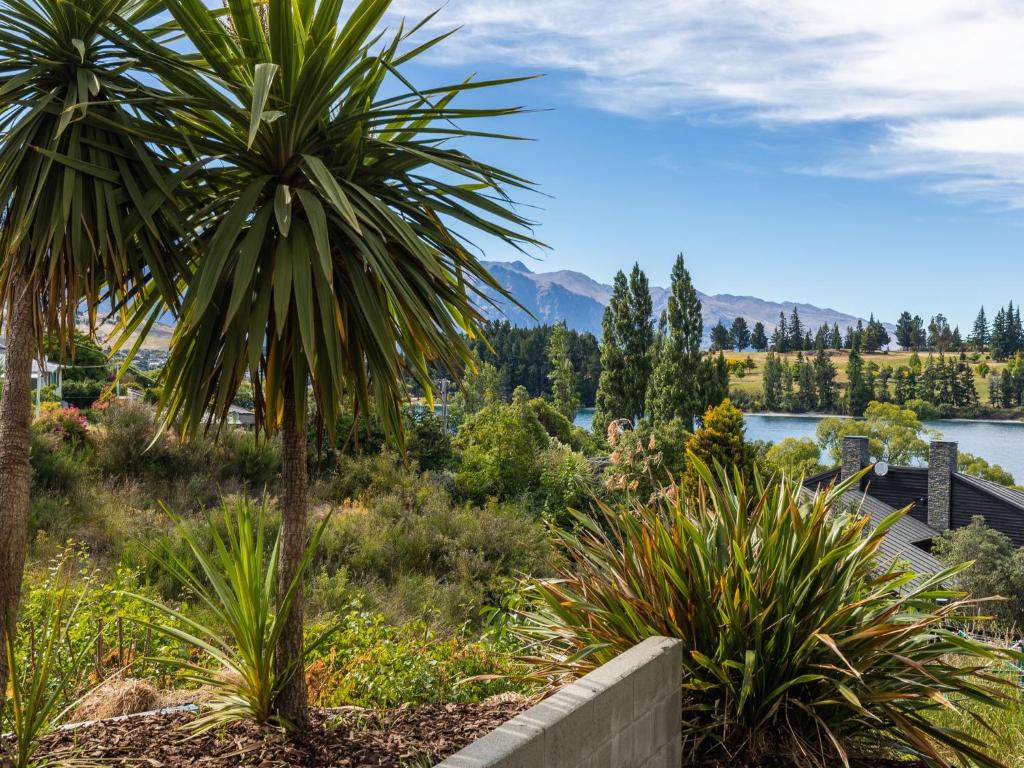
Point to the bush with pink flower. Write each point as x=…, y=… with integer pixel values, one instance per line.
x=68, y=425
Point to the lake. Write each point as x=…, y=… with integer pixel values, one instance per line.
x=998, y=442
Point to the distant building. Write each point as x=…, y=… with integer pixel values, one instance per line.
x=51, y=371
x=939, y=496
x=241, y=417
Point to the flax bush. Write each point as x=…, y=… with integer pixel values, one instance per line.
x=795, y=645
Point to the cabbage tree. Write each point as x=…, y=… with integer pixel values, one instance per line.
x=86, y=209
x=332, y=257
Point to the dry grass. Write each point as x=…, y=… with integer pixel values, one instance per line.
x=117, y=697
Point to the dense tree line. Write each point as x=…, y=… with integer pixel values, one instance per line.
x=1002, y=337
x=792, y=335
x=1005, y=337
x=804, y=384
x=1007, y=389
x=945, y=382
x=521, y=357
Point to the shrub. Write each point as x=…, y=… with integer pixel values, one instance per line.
x=56, y=469
x=39, y=677
x=925, y=411
x=83, y=393
x=554, y=422
x=794, y=645
x=500, y=447
x=413, y=552
x=371, y=663
x=796, y=457
x=129, y=445
x=123, y=441
x=720, y=439
x=249, y=458
x=427, y=442
x=646, y=459
x=998, y=567
x=97, y=614
x=67, y=425
x=566, y=482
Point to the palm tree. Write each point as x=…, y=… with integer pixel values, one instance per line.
x=85, y=211
x=329, y=256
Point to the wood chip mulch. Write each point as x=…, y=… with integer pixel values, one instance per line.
x=348, y=738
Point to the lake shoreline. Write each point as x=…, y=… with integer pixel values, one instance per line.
x=816, y=415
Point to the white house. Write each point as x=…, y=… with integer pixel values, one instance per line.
x=52, y=375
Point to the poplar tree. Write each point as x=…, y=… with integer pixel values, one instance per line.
x=637, y=335
x=610, y=401
x=806, y=397
x=627, y=345
x=825, y=381
x=858, y=390
x=564, y=395
x=675, y=389
x=772, y=382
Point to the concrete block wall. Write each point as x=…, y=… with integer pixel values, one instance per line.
x=625, y=714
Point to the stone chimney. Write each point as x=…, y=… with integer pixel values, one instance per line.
x=855, y=456
x=941, y=466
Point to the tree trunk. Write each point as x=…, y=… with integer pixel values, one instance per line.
x=15, y=471
x=291, y=700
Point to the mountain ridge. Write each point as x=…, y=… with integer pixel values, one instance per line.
x=579, y=300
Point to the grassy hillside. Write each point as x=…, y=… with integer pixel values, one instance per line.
x=753, y=380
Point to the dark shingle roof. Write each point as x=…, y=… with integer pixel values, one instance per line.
x=1011, y=496
x=900, y=541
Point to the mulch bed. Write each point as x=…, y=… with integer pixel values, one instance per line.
x=348, y=738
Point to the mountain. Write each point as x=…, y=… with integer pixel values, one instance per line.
x=580, y=301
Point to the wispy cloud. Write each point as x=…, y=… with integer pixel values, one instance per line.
x=942, y=76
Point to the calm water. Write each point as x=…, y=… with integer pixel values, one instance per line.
x=1000, y=443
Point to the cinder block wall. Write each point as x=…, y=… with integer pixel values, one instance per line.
x=625, y=714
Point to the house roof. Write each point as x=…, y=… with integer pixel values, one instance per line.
x=900, y=542
x=1011, y=496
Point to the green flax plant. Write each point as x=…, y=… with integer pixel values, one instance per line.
x=235, y=586
x=795, y=644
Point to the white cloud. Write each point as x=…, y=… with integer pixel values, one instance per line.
x=943, y=76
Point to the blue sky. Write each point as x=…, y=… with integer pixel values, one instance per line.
x=870, y=159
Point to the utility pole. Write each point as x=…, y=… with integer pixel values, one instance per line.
x=444, y=383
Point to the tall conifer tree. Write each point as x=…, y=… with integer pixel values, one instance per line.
x=637, y=335
x=758, y=339
x=740, y=333
x=611, y=399
x=796, y=331
x=979, y=334
x=564, y=395
x=675, y=387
